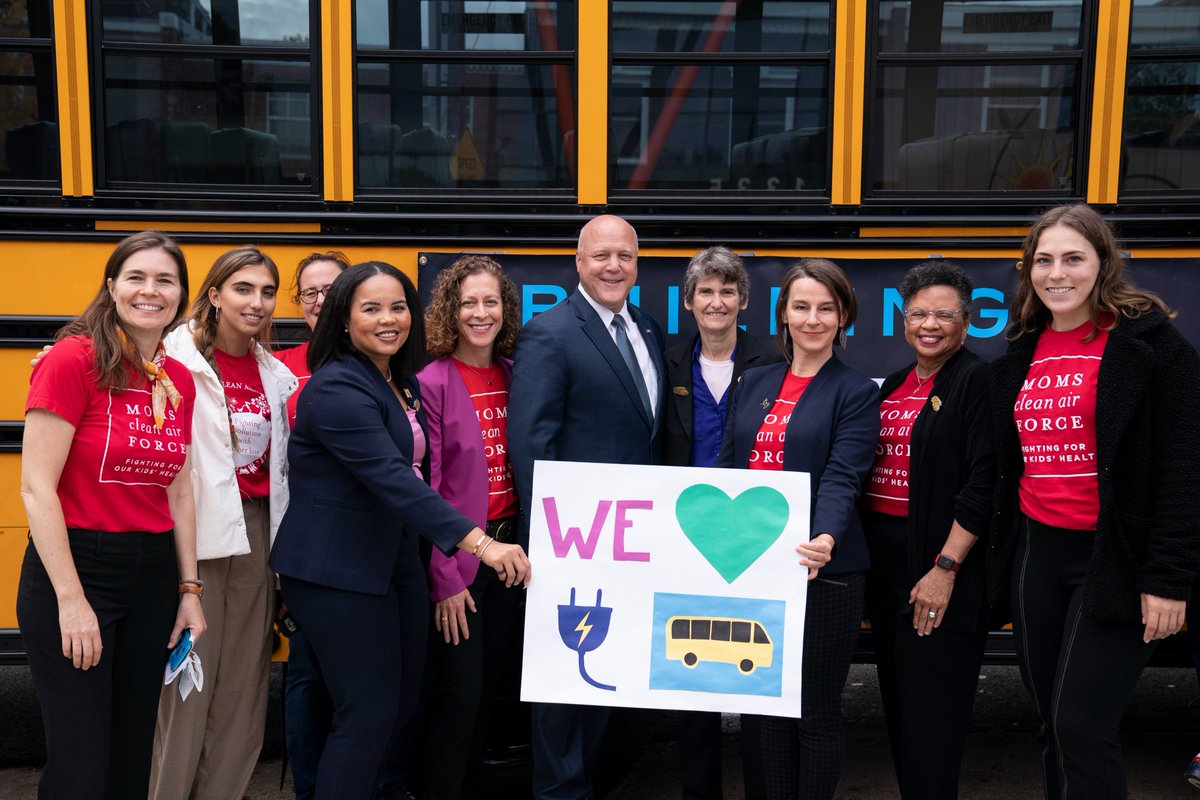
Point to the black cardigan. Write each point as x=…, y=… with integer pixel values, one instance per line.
x=752, y=351
x=951, y=476
x=1147, y=440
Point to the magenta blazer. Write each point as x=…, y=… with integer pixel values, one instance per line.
x=457, y=465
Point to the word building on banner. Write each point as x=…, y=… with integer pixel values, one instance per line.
x=666, y=587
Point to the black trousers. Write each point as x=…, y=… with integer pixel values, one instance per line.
x=1081, y=672
x=700, y=755
x=464, y=679
x=927, y=683
x=802, y=759
x=1193, y=625
x=371, y=650
x=100, y=722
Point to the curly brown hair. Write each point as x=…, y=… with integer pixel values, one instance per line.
x=441, y=318
x=1112, y=295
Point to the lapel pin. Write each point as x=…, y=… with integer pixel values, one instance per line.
x=681, y=391
x=766, y=403
x=936, y=402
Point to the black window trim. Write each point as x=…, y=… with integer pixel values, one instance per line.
x=98, y=48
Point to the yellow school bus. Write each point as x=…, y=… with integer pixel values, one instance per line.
x=388, y=129
x=723, y=640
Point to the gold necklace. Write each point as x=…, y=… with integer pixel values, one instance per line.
x=483, y=377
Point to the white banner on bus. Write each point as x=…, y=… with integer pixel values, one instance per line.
x=666, y=587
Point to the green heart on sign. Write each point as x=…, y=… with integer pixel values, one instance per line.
x=731, y=534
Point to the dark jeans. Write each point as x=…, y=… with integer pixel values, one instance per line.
x=802, y=758
x=464, y=680
x=1080, y=671
x=130, y=580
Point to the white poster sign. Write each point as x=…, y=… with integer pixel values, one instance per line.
x=666, y=587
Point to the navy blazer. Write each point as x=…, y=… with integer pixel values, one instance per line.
x=357, y=506
x=831, y=436
x=751, y=351
x=572, y=397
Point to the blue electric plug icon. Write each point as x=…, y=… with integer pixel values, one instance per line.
x=583, y=629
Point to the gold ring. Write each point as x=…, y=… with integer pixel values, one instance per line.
x=444, y=618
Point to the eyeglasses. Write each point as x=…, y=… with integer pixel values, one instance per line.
x=309, y=296
x=942, y=315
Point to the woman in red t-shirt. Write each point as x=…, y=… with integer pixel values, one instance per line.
x=813, y=414
x=314, y=275
x=208, y=746
x=307, y=708
x=472, y=324
x=927, y=500
x=111, y=563
x=1097, y=413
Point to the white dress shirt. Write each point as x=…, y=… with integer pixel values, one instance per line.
x=636, y=340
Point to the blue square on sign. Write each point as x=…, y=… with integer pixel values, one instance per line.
x=724, y=645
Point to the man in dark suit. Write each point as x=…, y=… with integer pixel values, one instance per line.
x=701, y=376
x=588, y=385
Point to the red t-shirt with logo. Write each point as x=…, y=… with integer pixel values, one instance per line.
x=1055, y=415
x=295, y=359
x=119, y=466
x=887, y=486
x=251, y=416
x=768, y=444
x=489, y=395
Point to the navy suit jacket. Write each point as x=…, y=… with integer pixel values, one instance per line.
x=831, y=436
x=572, y=397
x=357, y=506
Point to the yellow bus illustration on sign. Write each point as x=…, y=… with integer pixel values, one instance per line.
x=726, y=640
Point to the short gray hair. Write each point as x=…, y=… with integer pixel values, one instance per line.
x=716, y=262
x=938, y=273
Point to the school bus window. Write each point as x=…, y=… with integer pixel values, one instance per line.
x=239, y=22
x=742, y=127
x=978, y=27
x=460, y=125
x=701, y=628
x=760, y=635
x=685, y=115
x=1161, y=136
x=28, y=109
x=720, y=630
x=770, y=26
x=679, y=629
x=740, y=632
x=494, y=109
x=537, y=25
x=235, y=107
x=976, y=96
